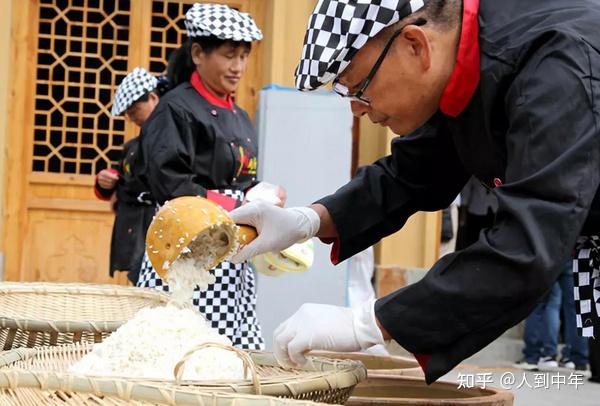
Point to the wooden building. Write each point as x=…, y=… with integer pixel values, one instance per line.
x=63, y=60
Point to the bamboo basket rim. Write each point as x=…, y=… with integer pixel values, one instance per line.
x=131, y=390
x=360, y=356
x=75, y=289
x=378, y=364
x=318, y=374
x=78, y=288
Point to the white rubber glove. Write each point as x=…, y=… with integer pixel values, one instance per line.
x=325, y=327
x=277, y=228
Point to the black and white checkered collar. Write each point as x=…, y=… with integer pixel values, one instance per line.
x=137, y=83
x=337, y=29
x=221, y=21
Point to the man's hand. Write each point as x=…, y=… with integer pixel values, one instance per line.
x=277, y=228
x=325, y=327
x=107, y=179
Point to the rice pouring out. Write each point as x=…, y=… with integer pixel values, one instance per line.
x=191, y=269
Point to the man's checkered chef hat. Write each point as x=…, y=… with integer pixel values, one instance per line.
x=137, y=83
x=221, y=21
x=337, y=29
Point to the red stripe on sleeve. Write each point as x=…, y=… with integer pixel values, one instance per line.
x=335, y=249
x=98, y=189
x=422, y=359
x=98, y=194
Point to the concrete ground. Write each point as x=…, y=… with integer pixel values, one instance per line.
x=493, y=367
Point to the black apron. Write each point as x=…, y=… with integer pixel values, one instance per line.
x=133, y=214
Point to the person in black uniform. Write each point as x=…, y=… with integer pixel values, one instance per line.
x=136, y=97
x=506, y=91
x=199, y=142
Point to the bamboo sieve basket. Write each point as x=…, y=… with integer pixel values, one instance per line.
x=320, y=380
x=46, y=314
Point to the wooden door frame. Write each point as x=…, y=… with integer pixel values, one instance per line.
x=22, y=51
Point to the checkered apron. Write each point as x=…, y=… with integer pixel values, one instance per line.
x=586, y=271
x=229, y=304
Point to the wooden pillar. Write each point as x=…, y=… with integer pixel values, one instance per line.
x=284, y=30
x=5, y=27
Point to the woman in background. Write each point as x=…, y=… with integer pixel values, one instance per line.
x=136, y=97
x=200, y=143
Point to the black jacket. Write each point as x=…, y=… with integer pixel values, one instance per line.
x=134, y=210
x=193, y=146
x=534, y=123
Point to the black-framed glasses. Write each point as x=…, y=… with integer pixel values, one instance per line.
x=358, y=96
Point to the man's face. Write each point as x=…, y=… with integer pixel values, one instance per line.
x=404, y=93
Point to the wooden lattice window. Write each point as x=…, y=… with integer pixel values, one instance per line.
x=83, y=48
x=167, y=32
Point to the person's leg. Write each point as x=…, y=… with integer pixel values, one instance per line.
x=531, y=335
x=550, y=327
x=576, y=347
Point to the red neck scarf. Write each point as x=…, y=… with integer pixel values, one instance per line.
x=196, y=82
x=465, y=76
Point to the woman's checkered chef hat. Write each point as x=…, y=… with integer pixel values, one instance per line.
x=221, y=21
x=137, y=83
x=337, y=29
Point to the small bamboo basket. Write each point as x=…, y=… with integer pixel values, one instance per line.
x=45, y=314
x=319, y=380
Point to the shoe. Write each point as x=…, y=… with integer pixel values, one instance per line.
x=566, y=363
x=547, y=363
x=525, y=365
x=582, y=370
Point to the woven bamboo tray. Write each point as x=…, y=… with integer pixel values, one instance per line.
x=319, y=380
x=38, y=314
x=24, y=388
